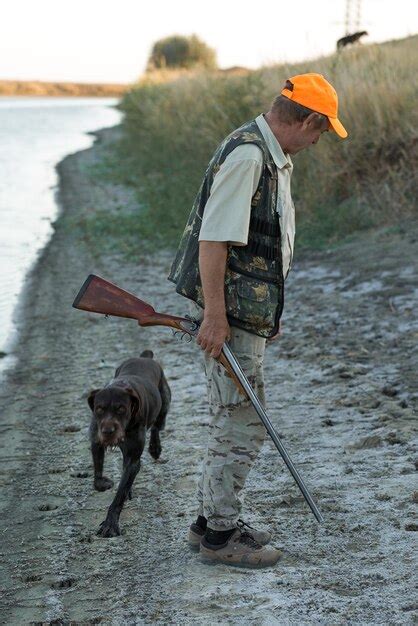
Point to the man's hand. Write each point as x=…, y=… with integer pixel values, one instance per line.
x=277, y=335
x=213, y=332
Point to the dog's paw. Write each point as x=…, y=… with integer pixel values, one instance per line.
x=108, y=528
x=155, y=448
x=103, y=483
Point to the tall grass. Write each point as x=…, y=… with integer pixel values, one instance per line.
x=173, y=123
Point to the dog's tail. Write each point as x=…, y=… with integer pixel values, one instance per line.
x=147, y=354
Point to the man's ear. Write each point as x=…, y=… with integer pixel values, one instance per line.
x=90, y=398
x=135, y=401
x=311, y=121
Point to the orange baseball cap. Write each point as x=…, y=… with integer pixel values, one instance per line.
x=315, y=92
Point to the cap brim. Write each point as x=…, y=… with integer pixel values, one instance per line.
x=338, y=127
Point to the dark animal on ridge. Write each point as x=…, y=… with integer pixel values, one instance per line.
x=350, y=39
x=135, y=400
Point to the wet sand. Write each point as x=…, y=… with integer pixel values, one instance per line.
x=341, y=391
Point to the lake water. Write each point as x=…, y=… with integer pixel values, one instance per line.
x=35, y=134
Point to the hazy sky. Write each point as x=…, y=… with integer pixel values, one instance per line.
x=109, y=40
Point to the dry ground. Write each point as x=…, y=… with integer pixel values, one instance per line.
x=341, y=391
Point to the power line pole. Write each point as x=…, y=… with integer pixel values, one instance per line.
x=358, y=16
x=352, y=16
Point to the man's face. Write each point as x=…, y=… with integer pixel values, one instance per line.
x=305, y=134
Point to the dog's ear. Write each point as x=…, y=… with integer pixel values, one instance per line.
x=90, y=398
x=135, y=401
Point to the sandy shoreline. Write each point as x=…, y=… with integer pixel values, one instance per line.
x=341, y=390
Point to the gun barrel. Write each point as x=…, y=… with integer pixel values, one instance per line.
x=236, y=368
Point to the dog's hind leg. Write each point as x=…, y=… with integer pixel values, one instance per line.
x=165, y=393
x=154, y=442
x=154, y=447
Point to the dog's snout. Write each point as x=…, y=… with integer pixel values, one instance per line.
x=108, y=429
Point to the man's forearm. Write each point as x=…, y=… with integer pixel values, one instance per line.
x=212, y=264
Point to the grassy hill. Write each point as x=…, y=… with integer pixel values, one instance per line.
x=173, y=123
x=40, y=88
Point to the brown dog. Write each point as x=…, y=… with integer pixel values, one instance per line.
x=137, y=399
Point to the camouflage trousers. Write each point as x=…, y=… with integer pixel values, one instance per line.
x=236, y=433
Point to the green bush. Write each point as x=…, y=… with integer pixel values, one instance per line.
x=178, y=51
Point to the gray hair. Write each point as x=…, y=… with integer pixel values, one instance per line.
x=289, y=111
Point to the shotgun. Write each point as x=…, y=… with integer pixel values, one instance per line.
x=98, y=295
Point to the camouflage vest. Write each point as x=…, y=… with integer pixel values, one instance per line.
x=254, y=285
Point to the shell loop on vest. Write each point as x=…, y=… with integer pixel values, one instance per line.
x=263, y=227
x=260, y=249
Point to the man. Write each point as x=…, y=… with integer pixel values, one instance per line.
x=233, y=259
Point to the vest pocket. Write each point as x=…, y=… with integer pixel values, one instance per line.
x=252, y=290
x=251, y=301
x=261, y=275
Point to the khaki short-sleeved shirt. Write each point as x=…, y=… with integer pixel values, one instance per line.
x=228, y=209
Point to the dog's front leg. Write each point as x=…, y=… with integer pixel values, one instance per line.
x=132, y=463
x=101, y=483
x=125, y=463
x=110, y=526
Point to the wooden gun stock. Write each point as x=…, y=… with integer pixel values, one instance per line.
x=98, y=295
